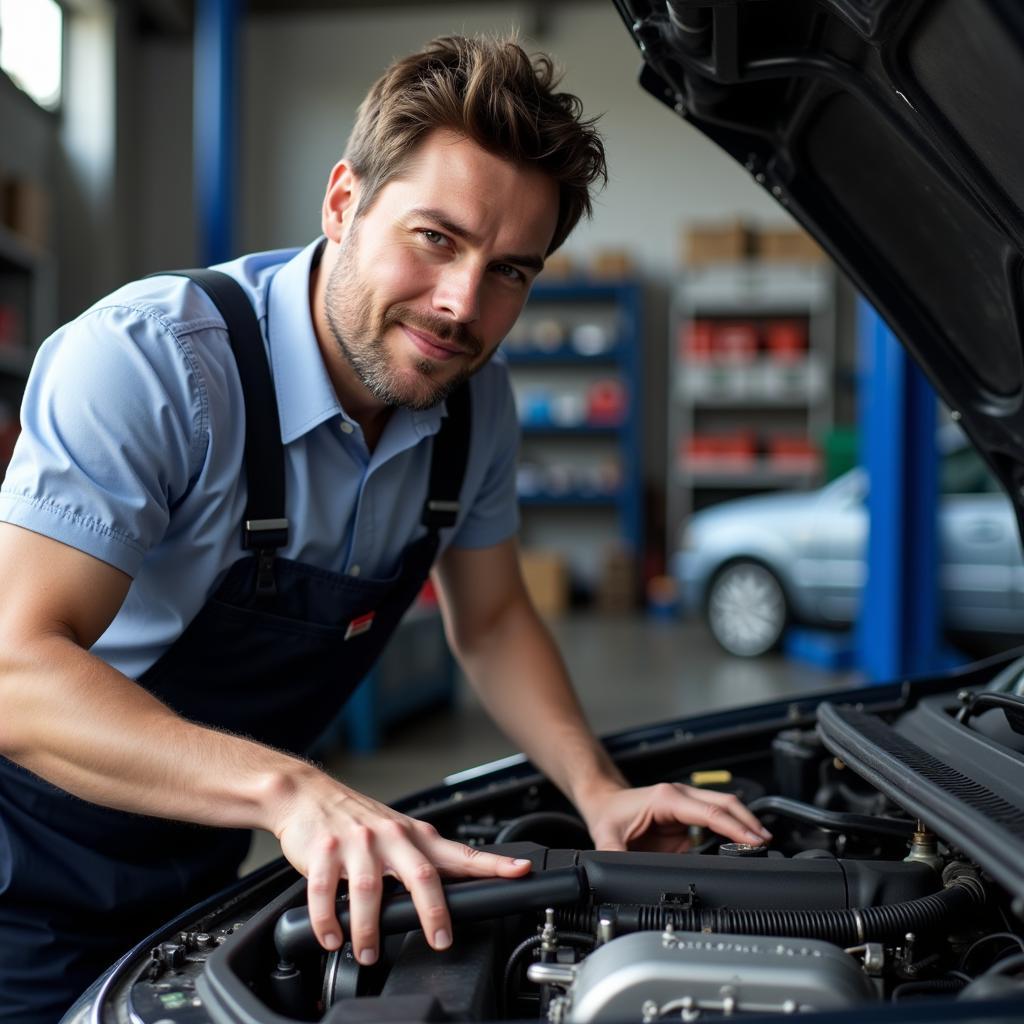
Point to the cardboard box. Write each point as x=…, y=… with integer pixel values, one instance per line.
x=705, y=244
x=611, y=265
x=547, y=581
x=558, y=266
x=617, y=585
x=788, y=246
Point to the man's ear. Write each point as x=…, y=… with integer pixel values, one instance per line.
x=340, y=201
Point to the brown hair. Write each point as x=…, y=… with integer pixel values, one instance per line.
x=490, y=91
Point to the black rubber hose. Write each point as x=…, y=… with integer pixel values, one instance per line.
x=832, y=821
x=1012, y=706
x=932, y=987
x=516, y=957
x=568, y=829
x=475, y=900
x=842, y=927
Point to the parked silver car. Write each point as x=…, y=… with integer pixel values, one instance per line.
x=754, y=565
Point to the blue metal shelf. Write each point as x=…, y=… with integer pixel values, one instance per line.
x=582, y=289
x=570, y=499
x=564, y=356
x=582, y=430
x=625, y=298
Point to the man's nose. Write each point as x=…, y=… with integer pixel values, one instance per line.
x=457, y=292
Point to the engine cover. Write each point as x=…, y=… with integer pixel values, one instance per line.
x=648, y=975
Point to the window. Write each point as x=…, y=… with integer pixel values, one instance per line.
x=30, y=47
x=962, y=471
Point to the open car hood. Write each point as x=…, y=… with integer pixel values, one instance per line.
x=892, y=131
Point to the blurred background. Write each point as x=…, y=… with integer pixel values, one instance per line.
x=689, y=372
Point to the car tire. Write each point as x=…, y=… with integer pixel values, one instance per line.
x=746, y=608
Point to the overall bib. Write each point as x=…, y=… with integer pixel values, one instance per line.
x=273, y=655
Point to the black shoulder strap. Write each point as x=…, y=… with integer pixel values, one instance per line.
x=264, y=527
x=448, y=462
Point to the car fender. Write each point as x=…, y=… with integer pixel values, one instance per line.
x=695, y=568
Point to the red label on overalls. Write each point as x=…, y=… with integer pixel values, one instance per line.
x=359, y=626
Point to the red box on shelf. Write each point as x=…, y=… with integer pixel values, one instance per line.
x=786, y=340
x=698, y=339
x=798, y=454
x=735, y=341
x=606, y=403
x=732, y=452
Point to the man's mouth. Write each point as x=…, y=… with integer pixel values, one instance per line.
x=432, y=346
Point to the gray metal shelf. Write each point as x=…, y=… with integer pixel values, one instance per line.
x=754, y=394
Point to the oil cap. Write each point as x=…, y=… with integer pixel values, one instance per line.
x=742, y=850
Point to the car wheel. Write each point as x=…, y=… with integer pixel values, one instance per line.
x=746, y=609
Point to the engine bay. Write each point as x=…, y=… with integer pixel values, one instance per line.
x=864, y=897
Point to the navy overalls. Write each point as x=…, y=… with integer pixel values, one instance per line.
x=273, y=654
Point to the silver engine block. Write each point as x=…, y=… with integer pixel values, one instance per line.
x=648, y=975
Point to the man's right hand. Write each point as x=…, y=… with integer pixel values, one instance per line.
x=329, y=832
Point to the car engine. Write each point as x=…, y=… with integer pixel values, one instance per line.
x=893, y=877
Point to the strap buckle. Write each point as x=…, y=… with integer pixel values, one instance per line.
x=439, y=514
x=265, y=536
x=266, y=585
x=264, y=533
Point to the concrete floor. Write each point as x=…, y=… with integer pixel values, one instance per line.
x=628, y=670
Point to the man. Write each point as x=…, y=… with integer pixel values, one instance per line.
x=154, y=671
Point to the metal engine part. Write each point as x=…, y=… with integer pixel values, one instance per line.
x=649, y=975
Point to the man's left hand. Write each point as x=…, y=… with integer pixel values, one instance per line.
x=658, y=818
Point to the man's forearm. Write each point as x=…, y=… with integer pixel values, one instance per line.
x=80, y=724
x=522, y=681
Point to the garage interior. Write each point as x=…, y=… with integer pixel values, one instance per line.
x=688, y=347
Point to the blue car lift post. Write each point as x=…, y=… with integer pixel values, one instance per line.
x=897, y=632
x=214, y=120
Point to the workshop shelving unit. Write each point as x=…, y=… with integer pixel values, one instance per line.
x=26, y=317
x=751, y=385
x=574, y=360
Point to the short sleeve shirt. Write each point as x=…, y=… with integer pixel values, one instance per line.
x=133, y=438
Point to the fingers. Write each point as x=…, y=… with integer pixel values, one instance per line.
x=411, y=851
x=322, y=891
x=609, y=839
x=724, y=813
x=364, y=891
x=460, y=860
x=420, y=877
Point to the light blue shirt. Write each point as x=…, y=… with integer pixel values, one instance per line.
x=132, y=440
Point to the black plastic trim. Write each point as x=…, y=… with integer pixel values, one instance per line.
x=981, y=823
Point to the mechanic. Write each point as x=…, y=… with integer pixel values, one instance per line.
x=193, y=591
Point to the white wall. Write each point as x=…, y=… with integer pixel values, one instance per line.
x=303, y=75
x=306, y=73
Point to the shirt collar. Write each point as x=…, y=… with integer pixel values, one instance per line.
x=305, y=394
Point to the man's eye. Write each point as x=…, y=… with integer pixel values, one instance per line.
x=512, y=273
x=433, y=237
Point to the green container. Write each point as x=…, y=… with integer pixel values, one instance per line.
x=840, y=450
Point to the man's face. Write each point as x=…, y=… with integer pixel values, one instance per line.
x=431, y=277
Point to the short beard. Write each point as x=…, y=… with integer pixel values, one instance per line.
x=349, y=313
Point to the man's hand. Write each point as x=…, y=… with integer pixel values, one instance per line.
x=330, y=832
x=657, y=818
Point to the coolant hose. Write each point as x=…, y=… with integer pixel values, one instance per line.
x=961, y=897
x=832, y=821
